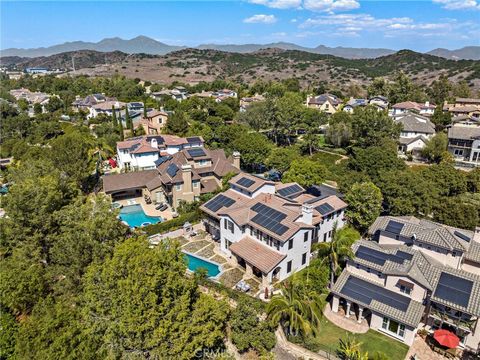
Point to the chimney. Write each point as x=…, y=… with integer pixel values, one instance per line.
x=307, y=214
x=187, y=178
x=154, y=143
x=236, y=159
x=427, y=103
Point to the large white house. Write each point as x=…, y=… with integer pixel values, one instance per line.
x=143, y=152
x=416, y=131
x=269, y=228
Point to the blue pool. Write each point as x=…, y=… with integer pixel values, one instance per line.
x=134, y=216
x=195, y=263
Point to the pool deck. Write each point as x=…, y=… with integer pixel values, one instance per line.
x=149, y=209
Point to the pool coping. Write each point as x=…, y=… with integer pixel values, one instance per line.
x=216, y=277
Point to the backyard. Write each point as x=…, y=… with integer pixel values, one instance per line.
x=372, y=341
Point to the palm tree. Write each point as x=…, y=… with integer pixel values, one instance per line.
x=350, y=349
x=296, y=310
x=337, y=249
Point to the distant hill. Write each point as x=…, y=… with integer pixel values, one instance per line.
x=144, y=44
x=467, y=53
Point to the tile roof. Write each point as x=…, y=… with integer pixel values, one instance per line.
x=255, y=253
x=473, y=253
x=465, y=132
x=411, y=316
x=255, y=184
x=407, y=105
x=409, y=140
x=467, y=100
x=416, y=123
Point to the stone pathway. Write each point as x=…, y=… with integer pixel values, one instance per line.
x=422, y=351
x=351, y=324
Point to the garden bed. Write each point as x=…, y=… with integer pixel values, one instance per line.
x=194, y=246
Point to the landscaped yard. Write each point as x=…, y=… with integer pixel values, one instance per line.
x=194, y=246
x=372, y=341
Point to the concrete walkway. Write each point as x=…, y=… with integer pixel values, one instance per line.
x=350, y=324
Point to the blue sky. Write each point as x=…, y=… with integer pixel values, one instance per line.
x=417, y=25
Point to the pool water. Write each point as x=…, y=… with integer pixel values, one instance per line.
x=134, y=216
x=195, y=263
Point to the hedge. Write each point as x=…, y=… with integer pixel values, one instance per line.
x=177, y=223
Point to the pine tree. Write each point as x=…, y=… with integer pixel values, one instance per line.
x=145, y=112
x=114, y=116
x=128, y=121
x=120, y=129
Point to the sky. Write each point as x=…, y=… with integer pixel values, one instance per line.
x=416, y=25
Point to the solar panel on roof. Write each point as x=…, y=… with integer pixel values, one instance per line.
x=290, y=190
x=269, y=218
x=462, y=236
x=193, y=139
x=196, y=152
x=454, y=289
x=161, y=160
x=245, y=182
x=403, y=255
x=394, y=227
x=324, y=209
x=379, y=257
x=365, y=292
x=218, y=202
x=172, y=170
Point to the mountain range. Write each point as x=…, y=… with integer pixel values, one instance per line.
x=144, y=44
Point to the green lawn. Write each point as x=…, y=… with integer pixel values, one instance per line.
x=372, y=341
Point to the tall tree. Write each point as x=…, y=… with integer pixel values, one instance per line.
x=305, y=172
x=177, y=124
x=120, y=130
x=339, y=248
x=435, y=148
x=114, y=116
x=364, y=205
x=254, y=148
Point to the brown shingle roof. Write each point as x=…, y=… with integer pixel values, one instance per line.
x=255, y=253
x=128, y=181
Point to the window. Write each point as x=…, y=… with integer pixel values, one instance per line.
x=178, y=187
x=230, y=226
x=305, y=236
x=195, y=184
x=226, y=224
x=385, y=323
x=401, y=330
x=290, y=244
x=393, y=327
x=454, y=254
x=405, y=289
x=304, y=258
x=324, y=237
x=289, y=266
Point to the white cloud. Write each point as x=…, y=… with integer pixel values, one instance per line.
x=330, y=5
x=458, y=4
x=312, y=5
x=262, y=19
x=278, y=4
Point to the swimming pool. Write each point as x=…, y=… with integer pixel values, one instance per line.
x=134, y=216
x=195, y=263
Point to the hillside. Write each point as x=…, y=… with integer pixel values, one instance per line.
x=146, y=45
x=194, y=65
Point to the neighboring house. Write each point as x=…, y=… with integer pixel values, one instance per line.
x=106, y=107
x=472, y=111
x=414, y=274
x=326, y=102
x=37, y=70
x=417, y=130
x=245, y=102
x=154, y=122
x=411, y=106
x=30, y=96
x=464, y=143
x=142, y=152
x=269, y=228
x=354, y=103
x=189, y=173
x=90, y=100
x=178, y=93
x=223, y=94
x=135, y=106
x=467, y=102
x=379, y=100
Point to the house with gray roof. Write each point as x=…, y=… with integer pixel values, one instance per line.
x=397, y=287
x=464, y=143
x=328, y=103
x=416, y=131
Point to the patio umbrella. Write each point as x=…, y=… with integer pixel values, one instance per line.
x=446, y=338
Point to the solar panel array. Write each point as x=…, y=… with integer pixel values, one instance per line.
x=269, y=218
x=290, y=190
x=162, y=159
x=461, y=236
x=196, y=152
x=325, y=209
x=193, y=139
x=454, y=289
x=245, y=182
x=218, y=202
x=394, y=227
x=379, y=258
x=172, y=170
x=365, y=292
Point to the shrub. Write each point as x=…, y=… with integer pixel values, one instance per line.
x=177, y=223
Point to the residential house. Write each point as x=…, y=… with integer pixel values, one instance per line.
x=88, y=101
x=464, y=107
x=141, y=152
x=31, y=97
x=464, y=143
x=412, y=275
x=416, y=131
x=106, y=107
x=245, y=102
x=178, y=93
x=326, y=102
x=467, y=102
x=223, y=94
x=354, y=103
x=426, y=109
x=379, y=100
x=269, y=228
x=154, y=122
x=37, y=70
x=135, y=106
